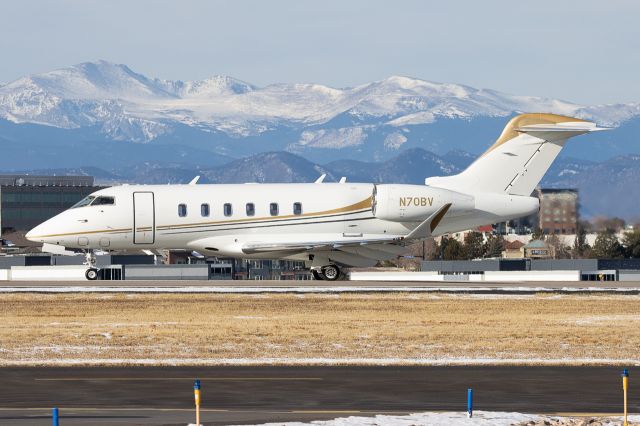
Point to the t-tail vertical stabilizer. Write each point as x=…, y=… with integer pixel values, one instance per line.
x=520, y=157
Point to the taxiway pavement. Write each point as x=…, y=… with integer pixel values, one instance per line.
x=242, y=395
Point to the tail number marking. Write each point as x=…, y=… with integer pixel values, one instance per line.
x=416, y=201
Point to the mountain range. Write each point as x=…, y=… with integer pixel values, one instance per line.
x=98, y=112
x=104, y=119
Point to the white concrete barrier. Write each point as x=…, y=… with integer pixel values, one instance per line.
x=48, y=273
x=396, y=276
x=488, y=276
x=5, y=274
x=548, y=276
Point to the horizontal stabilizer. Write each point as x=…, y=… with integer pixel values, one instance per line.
x=426, y=228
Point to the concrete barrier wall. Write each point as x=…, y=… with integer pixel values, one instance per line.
x=166, y=272
x=48, y=273
x=5, y=274
x=629, y=276
x=505, y=276
x=489, y=276
x=396, y=276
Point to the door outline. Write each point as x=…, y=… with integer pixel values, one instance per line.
x=153, y=217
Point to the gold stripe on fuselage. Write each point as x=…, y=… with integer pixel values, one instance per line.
x=366, y=203
x=110, y=231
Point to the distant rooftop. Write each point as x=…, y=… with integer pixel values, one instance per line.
x=558, y=190
x=536, y=244
x=35, y=180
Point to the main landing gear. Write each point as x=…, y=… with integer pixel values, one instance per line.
x=327, y=273
x=90, y=260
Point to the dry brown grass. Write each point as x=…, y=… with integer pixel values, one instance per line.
x=358, y=328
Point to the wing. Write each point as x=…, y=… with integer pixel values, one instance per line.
x=362, y=250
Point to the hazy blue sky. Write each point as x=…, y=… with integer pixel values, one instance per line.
x=585, y=51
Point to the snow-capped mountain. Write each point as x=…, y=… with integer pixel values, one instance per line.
x=225, y=115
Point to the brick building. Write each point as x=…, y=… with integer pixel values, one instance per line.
x=558, y=211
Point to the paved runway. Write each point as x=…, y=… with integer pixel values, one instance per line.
x=223, y=286
x=237, y=395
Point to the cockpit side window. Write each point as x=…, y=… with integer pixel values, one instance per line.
x=84, y=202
x=103, y=201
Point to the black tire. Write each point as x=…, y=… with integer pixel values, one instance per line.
x=91, y=274
x=331, y=272
x=317, y=275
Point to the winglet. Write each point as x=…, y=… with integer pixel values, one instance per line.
x=321, y=178
x=194, y=180
x=426, y=228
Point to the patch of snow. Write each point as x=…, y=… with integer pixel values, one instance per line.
x=333, y=138
x=480, y=418
x=567, y=172
x=394, y=140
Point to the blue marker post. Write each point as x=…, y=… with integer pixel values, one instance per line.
x=469, y=403
x=54, y=417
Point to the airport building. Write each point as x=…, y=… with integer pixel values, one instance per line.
x=584, y=269
x=26, y=200
x=558, y=211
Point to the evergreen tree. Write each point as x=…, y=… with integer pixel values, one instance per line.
x=453, y=250
x=494, y=246
x=581, y=248
x=537, y=234
x=631, y=241
x=473, y=245
x=607, y=246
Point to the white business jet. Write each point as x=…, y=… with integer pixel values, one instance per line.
x=328, y=225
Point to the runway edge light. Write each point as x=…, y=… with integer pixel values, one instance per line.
x=196, y=394
x=625, y=387
x=469, y=403
x=54, y=417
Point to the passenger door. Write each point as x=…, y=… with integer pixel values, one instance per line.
x=144, y=218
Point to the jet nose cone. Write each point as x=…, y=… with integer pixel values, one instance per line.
x=35, y=234
x=29, y=235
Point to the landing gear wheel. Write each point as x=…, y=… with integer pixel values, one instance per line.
x=91, y=274
x=331, y=272
x=317, y=275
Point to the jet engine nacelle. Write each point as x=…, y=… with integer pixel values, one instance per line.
x=414, y=203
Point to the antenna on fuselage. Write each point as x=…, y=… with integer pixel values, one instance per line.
x=321, y=178
x=343, y=179
x=194, y=180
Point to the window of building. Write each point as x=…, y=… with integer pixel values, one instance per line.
x=297, y=208
x=228, y=209
x=204, y=210
x=251, y=209
x=273, y=209
x=182, y=210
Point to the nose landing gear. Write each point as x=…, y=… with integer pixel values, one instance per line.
x=90, y=260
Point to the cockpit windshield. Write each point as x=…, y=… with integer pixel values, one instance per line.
x=84, y=202
x=103, y=201
x=93, y=200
